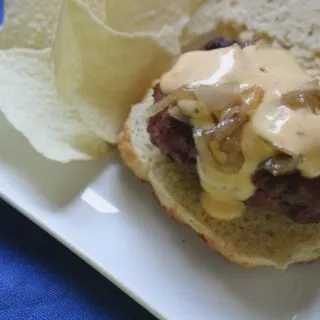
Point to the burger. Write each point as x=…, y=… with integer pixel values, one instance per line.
x=228, y=138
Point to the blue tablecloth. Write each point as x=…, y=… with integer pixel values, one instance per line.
x=42, y=280
x=1, y=12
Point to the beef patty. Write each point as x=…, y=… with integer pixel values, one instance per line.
x=292, y=194
x=173, y=137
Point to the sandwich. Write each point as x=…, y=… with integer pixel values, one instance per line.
x=228, y=138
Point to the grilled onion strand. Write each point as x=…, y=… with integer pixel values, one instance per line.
x=303, y=98
x=282, y=164
x=230, y=120
x=227, y=133
x=182, y=93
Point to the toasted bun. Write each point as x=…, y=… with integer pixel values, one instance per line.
x=259, y=238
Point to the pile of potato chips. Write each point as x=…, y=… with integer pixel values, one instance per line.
x=70, y=70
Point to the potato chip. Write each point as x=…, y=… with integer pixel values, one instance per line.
x=208, y=21
x=29, y=23
x=98, y=8
x=150, y=15
x=165, y=18
x=105, y=56
x=31, y=103
x=104, y=71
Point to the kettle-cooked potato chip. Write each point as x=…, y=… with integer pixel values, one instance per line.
x=28, y=97
x=31, y=103
x=150, y=15
x=103, y=71
x=206, y=22
x=98, y=8
x=166, y=18
x=70, y=97
x=29, y=23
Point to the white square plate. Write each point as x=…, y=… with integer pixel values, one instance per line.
x=108, y=218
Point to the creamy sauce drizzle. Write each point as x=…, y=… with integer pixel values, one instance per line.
x=271, y=128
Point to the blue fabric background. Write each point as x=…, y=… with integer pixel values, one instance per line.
x=41, y=280
x=1, y=12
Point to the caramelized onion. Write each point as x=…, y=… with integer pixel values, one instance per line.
x=225, y=102
x=231, y=120
x=303, y=98
x=176, y=113
x=232, y=149
x=227, y=133
x=218, y=97
x=251, y=98
x=232, y=146
x=282, y=164
x=182, y=93
x=204, y=149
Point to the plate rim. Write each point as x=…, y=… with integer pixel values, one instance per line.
x=81, y=255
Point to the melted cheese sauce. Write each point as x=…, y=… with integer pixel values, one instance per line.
x=296, y=132
x=272, y=127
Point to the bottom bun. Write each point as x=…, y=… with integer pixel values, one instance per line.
x=258, y=238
